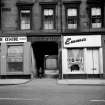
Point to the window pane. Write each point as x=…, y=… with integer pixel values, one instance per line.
x=48, y=12
x=95, y=11
x=96, y=25
x=72, y=12
x=72, y=26
x=72, y=22
x=25, y=23
x=25, y=11
x=48, y=25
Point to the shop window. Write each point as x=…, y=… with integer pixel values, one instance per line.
x=72, y=18
x=48, y=18
x=96, y=17
x=75, y=60
x=15, y=58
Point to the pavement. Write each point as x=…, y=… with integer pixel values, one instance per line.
x=13, y=81
x=59, y=81
x=81, y=81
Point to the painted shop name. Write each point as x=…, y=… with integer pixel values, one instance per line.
x=70, y=41
x=13, y=39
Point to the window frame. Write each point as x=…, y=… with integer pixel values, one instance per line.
x=72, y=6
x=96, y=5
x=48, y=6
x=19, y=14
x=15, y=44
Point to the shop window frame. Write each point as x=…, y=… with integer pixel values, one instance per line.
x=81, y=66
x=14, y=72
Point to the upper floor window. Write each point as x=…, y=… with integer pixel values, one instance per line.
x=96, y=17
x=72, y=14
x=25, y=15
x=25, y=19
x=48, y=21
x=72, y=18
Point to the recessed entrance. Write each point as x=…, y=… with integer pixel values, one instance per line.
x=46, y=57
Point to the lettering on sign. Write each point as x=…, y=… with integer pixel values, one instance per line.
x=11, y=39
x=70, y=41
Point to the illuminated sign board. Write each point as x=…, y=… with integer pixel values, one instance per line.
x=82, y=41
x=13, y=39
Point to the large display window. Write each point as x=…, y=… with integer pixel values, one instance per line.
x=75, y=60
x=15, y=58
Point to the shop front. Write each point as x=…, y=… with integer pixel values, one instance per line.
x=82, y=57
x=14, y=57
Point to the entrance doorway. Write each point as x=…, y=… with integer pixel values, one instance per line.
x=46, y=57
x=93, y=61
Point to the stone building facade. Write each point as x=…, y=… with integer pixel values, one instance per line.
x=52, y=38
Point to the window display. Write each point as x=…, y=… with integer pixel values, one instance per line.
x=15, y=58
x=75, y=60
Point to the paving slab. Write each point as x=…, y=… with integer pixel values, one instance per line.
x=13, y=81
x=81, y=81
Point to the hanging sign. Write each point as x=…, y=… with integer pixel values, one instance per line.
x=82, y=41
x=13, y=39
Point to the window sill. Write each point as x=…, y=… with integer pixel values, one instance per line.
x=96, y=29
x=9, y=73
x=48, y=30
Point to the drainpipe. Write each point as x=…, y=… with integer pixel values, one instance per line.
x=61, y=30
x=61, y=15
x=0, y=14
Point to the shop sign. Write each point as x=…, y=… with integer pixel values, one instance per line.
x=13, y=39
x=82, y=41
